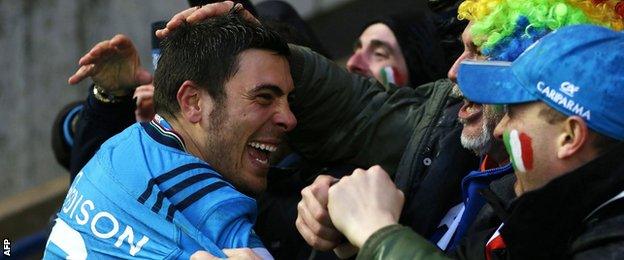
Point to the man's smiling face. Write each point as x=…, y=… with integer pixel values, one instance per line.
x=250, y=122
x=479, y=120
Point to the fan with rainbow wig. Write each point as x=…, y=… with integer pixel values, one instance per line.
x=503, y=29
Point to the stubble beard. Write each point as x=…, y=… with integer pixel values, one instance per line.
x=219, y=145
x=482, y=144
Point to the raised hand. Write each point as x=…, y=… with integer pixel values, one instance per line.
x=144, y=96
x=197, y=14
x=113, y=65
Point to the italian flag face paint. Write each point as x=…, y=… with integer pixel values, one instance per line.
x=390, y=75
x=520, y=151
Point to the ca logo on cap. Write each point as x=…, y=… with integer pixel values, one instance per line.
x=568, y=88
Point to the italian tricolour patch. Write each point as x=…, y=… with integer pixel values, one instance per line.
x=390, y=75
x=519, y=148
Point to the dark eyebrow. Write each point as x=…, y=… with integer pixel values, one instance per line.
x=277, y=91
x=357, y=44
x=374, y=44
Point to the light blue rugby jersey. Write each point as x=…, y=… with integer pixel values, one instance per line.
x=143, y=196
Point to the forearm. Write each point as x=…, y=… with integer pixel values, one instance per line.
x=344, y=117
x=398, y=242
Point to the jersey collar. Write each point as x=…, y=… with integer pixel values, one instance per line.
x=161, y=131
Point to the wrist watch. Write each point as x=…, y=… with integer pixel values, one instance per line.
x=104, y=97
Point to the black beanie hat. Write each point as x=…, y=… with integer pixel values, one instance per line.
x=416, y=34
x=283, y=18
x=246, y=4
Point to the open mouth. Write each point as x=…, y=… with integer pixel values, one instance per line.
x=261, y=152
x=469, y=111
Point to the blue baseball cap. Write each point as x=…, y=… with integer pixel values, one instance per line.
x=576, y=70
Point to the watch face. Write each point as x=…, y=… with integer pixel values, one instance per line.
x=98, y=95
x=102, y=96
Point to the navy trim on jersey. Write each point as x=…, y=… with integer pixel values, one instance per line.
x=159, y=200
x=200, y=194
x=163, y=202
x=160, y=196
x=161, y=136
x=170, y=211
x=160, y=130
x=188, y=182
x=171, y=174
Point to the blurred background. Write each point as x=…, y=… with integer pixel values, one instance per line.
x=41, y=42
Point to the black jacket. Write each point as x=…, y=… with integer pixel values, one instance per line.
x=431, y=172
x=560, y=221
x=573, y=216
x=75, y=140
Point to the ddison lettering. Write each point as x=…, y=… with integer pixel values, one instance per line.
x=79, y=208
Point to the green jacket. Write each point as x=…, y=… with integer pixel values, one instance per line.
x=398, y=242
x=343, y=117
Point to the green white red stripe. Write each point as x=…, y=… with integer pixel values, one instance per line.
x=518, y=146
x=390, y=75
x=387, y=75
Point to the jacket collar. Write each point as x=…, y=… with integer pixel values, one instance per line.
x=487, y=163
x=486, y=178
x=161, y=131
x=542, y=223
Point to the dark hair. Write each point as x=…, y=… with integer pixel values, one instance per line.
x=207, y=54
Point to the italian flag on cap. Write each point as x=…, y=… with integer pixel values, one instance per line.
x=518, y=146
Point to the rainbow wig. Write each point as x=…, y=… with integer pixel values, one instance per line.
x=503, y=29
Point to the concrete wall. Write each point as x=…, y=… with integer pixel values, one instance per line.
x=40, y=43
